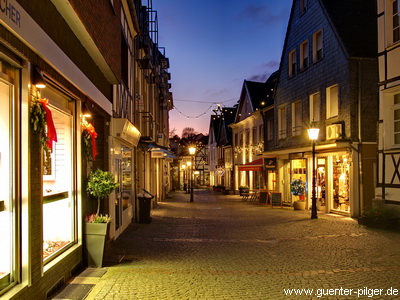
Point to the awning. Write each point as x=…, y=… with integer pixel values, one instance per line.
x=255, y=165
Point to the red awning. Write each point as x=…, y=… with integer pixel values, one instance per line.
x=255, y=165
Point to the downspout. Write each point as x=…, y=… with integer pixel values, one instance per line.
x=360, y=173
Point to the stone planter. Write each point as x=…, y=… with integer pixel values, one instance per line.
x=299, y=205
x=95, y=237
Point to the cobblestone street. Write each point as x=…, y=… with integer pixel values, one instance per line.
x=220, y=247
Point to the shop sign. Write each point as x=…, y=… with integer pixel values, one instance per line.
x=270, y=163
x=125, y=130
x=157, y=154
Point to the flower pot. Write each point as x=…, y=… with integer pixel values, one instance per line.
x=95, y=237
x=299, y=205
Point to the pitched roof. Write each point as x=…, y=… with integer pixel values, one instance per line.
x=355, y=23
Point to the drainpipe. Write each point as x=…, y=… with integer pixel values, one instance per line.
x=360, y=173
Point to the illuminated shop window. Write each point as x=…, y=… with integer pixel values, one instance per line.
x=7, y=213
x=341, y=171
x=58, y=175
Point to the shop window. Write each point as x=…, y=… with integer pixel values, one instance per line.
x=58, y=179
x=296, y=118
x=7, y=201
x=317, y=46
x=341, y=170
x=315, y=107
x=332, y=101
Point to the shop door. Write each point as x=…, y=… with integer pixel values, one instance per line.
x=118, y=193
x=124, y=192
x=286, y=199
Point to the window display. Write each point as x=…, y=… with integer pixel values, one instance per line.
x=341, y=183
x=58, y=173
x=7, y=213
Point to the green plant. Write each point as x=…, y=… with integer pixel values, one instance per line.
x=95, y=218
x=297, y=187
x=38, y=121
x=100, y=185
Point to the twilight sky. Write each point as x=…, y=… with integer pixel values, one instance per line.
x=213, y=46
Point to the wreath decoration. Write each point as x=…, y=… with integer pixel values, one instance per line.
x=89, y=136
x=42, y=121
x=297, y=187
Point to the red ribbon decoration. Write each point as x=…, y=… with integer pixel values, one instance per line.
x=51, y=129
x=93, y=135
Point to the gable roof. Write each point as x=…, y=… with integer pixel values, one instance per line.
x=228, y=117
x=355, y=25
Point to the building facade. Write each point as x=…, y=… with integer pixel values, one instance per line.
x=88, y=69
x=328, y=77
x=388, y=191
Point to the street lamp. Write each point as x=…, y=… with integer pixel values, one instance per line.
x=313, y=132
x=192, y=152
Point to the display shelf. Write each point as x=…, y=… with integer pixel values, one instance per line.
x=54, y=196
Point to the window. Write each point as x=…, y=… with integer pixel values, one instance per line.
x=236, y=139
x=304, y=55
x=396, y=119
x=317, y=46
x=315, y=106
x=332, y=101
x=303, y=6
x=59, y=203
x=241, y=139
x=8, y=201
x=261, y=133
x=282, y=122
x=396, y=20
x=254, y=137
x=247, y=137
x=270, y=131
x=292, y=63
x=296, y=118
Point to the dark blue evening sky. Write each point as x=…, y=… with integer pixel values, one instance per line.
x=213, y=46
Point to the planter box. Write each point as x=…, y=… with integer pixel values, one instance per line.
x=299, y=205
x=95, y=237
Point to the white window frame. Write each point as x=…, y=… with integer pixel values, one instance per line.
x=332, y=103
x=292, y=63
x=296, y=118
x=304, y=55
x=282, y=122
x=395, y=107
x=317, y=46
x=315, y=107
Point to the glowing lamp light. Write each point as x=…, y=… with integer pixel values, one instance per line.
x=313, y=133
x=188, y=163
x=192, y=150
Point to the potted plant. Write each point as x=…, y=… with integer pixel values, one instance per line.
x=298, y=188
x=100, y=185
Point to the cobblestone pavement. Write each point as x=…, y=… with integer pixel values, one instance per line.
x=220, y=247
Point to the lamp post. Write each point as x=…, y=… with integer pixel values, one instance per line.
x=313, y=132
x=189, y=165
x=192, y=152
x=184, y=177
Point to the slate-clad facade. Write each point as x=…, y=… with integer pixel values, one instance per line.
x=328, y=76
